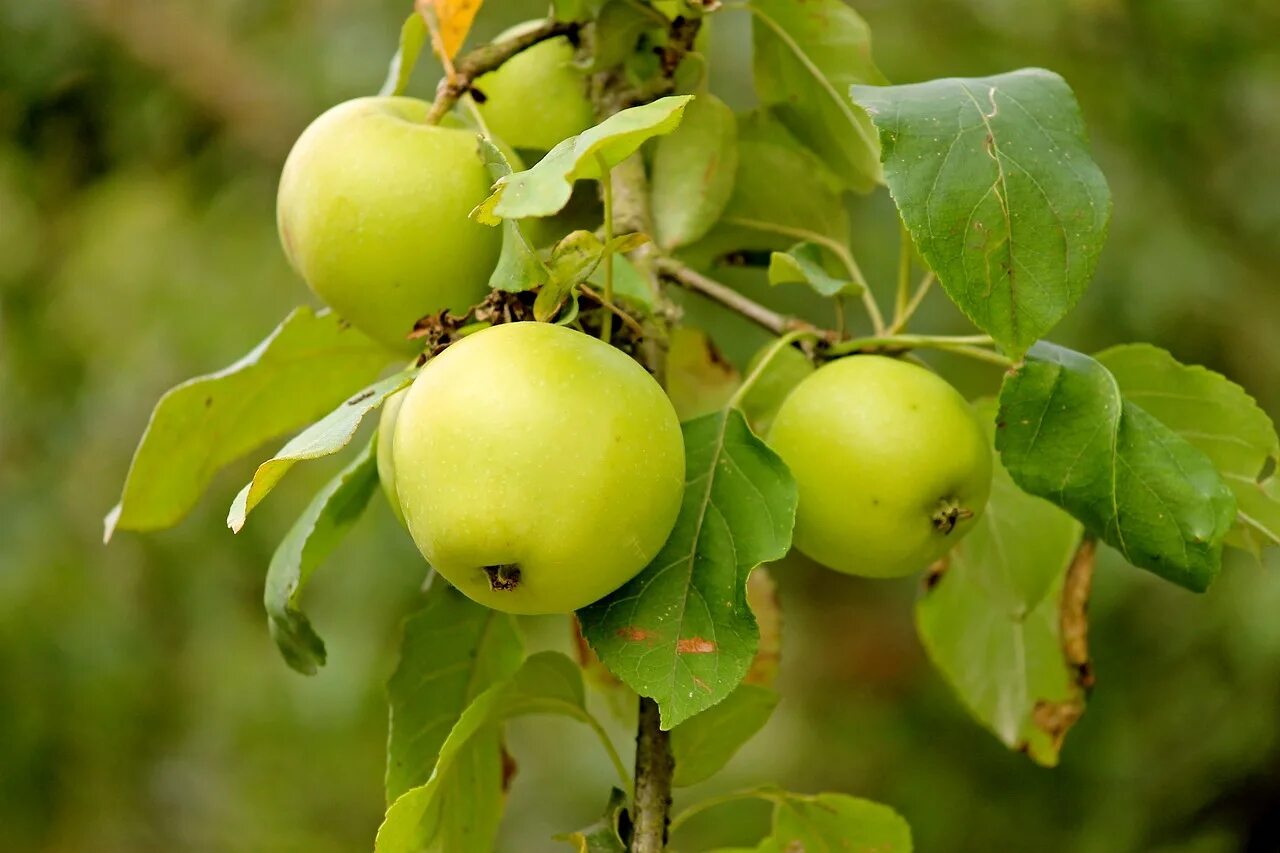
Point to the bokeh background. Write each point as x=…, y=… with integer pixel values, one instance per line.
x=142, y=705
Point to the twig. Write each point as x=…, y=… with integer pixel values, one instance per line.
x=654, y=770
x=488, y=57
x=627, y=319
x=973, y=346
x=904, y=278
x=767, y=318
x=922, y=290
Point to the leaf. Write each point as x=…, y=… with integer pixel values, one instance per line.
x=315, y=534
x=803, y=263
x=681, y=631
x=699, y=380
x=1217, y=416
x=450, y=21
x=836, y=822
x=459, y=806
x=782, y=193
x=413, y=34
x=610, y=834
x=519, y=268
x=545, y=189
x=991, y=619
x=309, y=364
x=806, y=56
x=703, y=744
x=629, y=285
x=323, y=438
x=1068, y=435
x=788, y=369
x=994, y=180
x=693, y=169
x=762, y=596
x=452, y=651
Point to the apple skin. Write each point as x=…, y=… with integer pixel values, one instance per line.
x=386, y=465
x=372, y=211
x=537, y=449
x=878, y=447
x=537, y=98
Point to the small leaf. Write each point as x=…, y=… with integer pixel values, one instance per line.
x=994, y=180
x=413, y=34
x=681, y=631
x=699, y=380
x=450, y=21
x=610, y=834
x=837, y=822
x=990, y=619
x=545, y=189
x=782, y=193
x=323, y=438
x=519, y=268
x=1068, y=435
x=804, y=263
x=703, y=744
x=309, y=364
x=806, y=56
x=315, y=534
x=453, y=650
x=1217, y=416
x=458, y=808
x=693, y=171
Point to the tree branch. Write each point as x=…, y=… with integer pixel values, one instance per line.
x=488, y=57
x=766, y=318
x=654, y=769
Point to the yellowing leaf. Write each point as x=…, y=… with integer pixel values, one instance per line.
x=449, y=22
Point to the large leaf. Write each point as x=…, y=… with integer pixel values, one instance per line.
x=308, y=365
x=545, y=189
x=315, y=534
x=828, y=822
x=519, y=267
x=782, y=193
x=1067, y=434
x=993, y=178
x=459, y=806
x=453, y=650
x=991, y=620
x=413, y=35
x=1217, y=416
x=682, y=632
x=704, y=744
x=806, y=57
x=693, y=169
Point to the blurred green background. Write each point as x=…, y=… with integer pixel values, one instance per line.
x=142, y=705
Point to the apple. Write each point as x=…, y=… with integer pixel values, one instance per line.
x=538, y=97
x=892, y=466
x=538, y=468
x=386, y=465
x=373, y=214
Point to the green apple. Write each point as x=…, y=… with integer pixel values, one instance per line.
x=538, y=97
x=373, y=214
x=386, y=465
x=893, y=468
x=538, y=468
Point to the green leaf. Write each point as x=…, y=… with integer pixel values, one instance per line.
x=1068, y=435
x=836, y=822
x=806, y=56
x=993, y=178
x=699, y=380
x=693, y=169
x=309, y=364
x=453, y=650
x=704, y=744
x=413, y=34
x=519, y=268
x=782, y=193
x=1217, y=416
x=788, y=369
x=681, y=632
x=315, y=534
x=629, y=285
x=607, y=835
x=545, y=189
x=991, y=620
x=458, y=808
x=323, y=438
x=804, y=263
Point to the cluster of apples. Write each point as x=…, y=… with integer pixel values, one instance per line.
x=536, y=467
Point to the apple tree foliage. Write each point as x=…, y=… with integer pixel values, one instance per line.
x=1000, y=200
